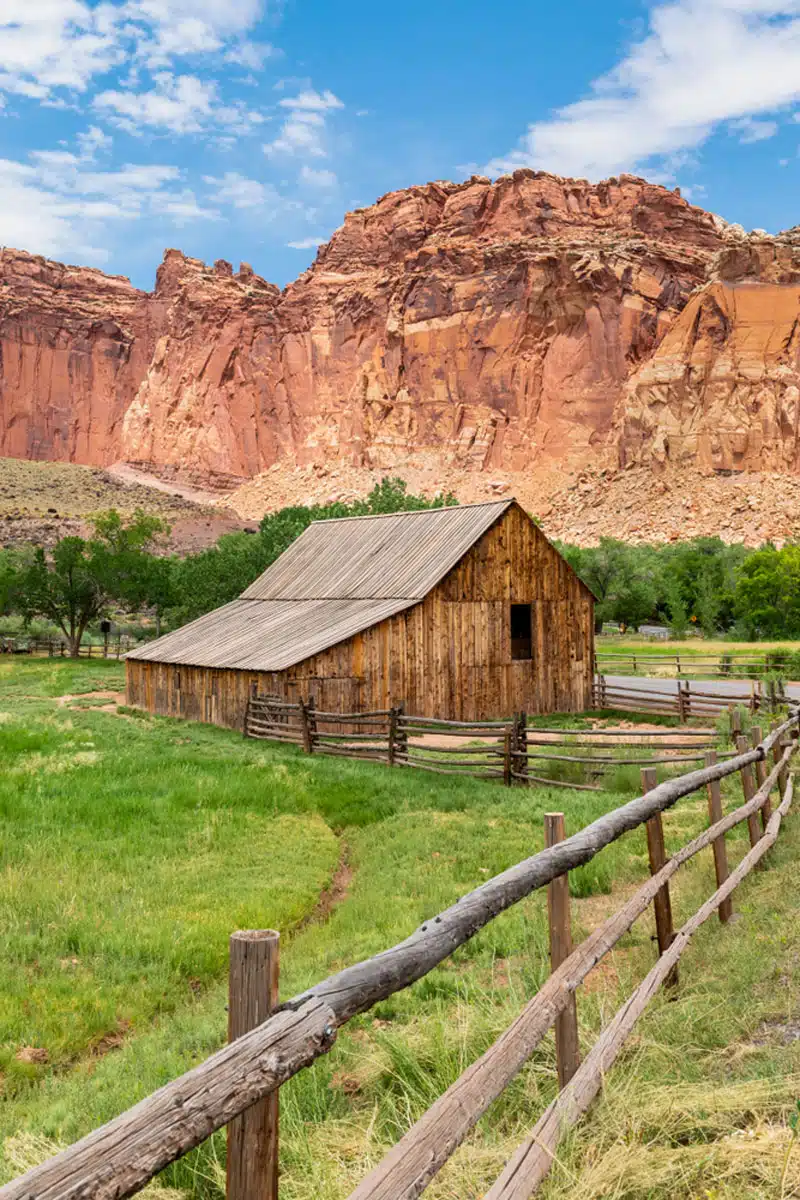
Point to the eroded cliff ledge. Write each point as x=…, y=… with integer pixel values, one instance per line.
x=531, y=324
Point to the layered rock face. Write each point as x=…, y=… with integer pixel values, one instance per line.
x=522, y=325
x=721, y=389
x=74, y=347
x=489, y=325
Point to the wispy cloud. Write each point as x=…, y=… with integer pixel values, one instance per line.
x=58, y=203
x=47, y=45
x=177, y=103
x=749, y=130
x=701, y=64
x=303, y=131
x=239, y=191
x=154, y=69
x=306, y=243
x=317, y=177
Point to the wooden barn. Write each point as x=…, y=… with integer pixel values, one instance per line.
x=464, y=613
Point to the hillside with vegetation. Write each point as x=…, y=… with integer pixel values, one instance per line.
x=124, y=566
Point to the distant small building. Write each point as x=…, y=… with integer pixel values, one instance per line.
x=465, y=613
x=657, y=632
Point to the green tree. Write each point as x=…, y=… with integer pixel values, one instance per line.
x=132, y=574
x=768, y=592
x=76, y=583
x=623, y=578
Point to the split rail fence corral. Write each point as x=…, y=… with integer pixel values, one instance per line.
x=238, y=1085
x=510, y=750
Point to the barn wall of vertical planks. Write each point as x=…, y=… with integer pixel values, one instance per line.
x=450, y=655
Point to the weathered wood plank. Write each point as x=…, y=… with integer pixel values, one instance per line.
x=252, y=1159
x=530, y=1164
x=558, y=913
x=409, y=1166
x=117, y=1159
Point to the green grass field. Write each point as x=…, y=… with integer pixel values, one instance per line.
x=133, y=845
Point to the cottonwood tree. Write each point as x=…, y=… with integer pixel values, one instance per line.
x=75, y=583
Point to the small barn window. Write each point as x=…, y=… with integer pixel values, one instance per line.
x=521, y=641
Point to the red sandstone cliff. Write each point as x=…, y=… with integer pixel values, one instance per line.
x=527, y=324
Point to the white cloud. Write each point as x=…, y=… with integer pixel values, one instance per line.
x=239, y=191
x=318, y=178
x=178, y=103
x=306, y=243
x=251, y=55
x=303, y=131
x=311, y=101
x=45, y=44
x=58, y=204
x=750, y=130
x=169, y=29
x=701, y=63
x=94, y=141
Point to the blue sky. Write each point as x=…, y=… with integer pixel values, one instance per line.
x=245, y=129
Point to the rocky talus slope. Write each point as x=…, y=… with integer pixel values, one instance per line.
x=544, y=335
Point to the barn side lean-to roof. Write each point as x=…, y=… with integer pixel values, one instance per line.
x=337, y=579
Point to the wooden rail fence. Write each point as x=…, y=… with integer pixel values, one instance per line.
x=686, y=700
x=118, y=1159
x=511, y=750
x=112, y=647
x=743, y=664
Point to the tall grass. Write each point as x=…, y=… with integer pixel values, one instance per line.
x=141, y=862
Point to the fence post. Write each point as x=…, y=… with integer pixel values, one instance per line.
x=757, y=737
x=566, y=1025
x=521, y=740
x=402, y=731
x=736, y=724
x=777, y=754
x=252, y=1160
x=749, y=790
x=392, y=736
x=601, y=691
x=305, y=725
x=662, y=905
x=677, y=665
x=681, y=704
x=725, y=909
x=508, y=746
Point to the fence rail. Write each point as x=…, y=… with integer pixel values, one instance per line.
x=744, y=664
x=113, y=647
x=686, y=700
x=509, y=750
x=119, y=1158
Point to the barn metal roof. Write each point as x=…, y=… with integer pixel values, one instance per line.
x=397, y=555
x=267, y=635
x=338, y=578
